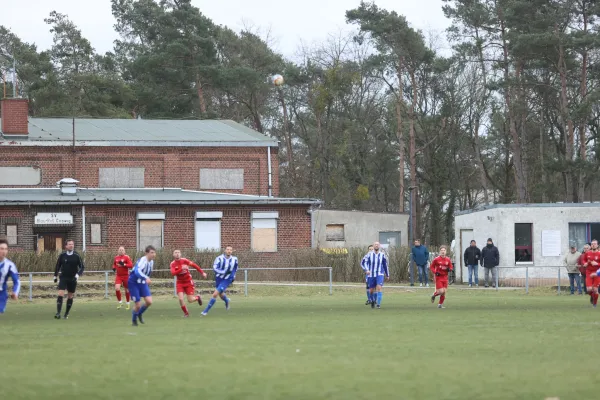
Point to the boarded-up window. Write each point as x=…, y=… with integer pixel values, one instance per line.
x=95, y=233
x=20, y=176
x=150, y=233
x=264, y=231
x=334, y=233
x=219, y=179
x=121, y=177
x=11, y=234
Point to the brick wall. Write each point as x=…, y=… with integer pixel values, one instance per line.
x=164, y=166
x=14, y=114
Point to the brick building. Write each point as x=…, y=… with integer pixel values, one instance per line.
x=182, y=184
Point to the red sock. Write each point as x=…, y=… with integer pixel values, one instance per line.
x=127, y=296
x=436, y=294
x=118, y=295
x=184, y=308
x=595, y=298
x=442, y=298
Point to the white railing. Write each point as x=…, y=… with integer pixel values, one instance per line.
x=30, y=282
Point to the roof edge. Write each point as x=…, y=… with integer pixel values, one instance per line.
x=9, y=141
x=526, y=205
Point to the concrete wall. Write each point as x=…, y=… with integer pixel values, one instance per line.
x=360, y=228
x=499, y=224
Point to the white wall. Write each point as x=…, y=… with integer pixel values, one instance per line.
x=499, y=224
x=360, y=228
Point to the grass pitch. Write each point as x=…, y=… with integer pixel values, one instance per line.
x=299, y=344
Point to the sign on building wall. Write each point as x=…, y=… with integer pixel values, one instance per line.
x=551, y=246
x=53, y=219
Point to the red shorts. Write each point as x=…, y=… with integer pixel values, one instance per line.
x=441, y=282
x=186, y=287
x=121, y=280
x=592, y=282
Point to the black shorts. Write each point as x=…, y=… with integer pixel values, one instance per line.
x=68, y=284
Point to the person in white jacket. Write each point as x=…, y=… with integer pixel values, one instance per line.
x=571, y=260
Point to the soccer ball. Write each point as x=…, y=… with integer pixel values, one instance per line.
x=277, y=80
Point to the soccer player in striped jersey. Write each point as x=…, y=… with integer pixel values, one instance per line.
x=363, y=265
x=139, y=279
x=440, y=266
x=180, y=267
x=377, y=271
x=225, y=267
x=7, y=269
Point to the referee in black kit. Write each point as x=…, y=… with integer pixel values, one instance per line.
x=70, y=266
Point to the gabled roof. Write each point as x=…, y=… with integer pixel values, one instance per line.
x=138, y=132
x=529, y=205
x=166, y=196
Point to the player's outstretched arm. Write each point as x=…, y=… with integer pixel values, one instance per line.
x=175, y=269
x=14, y=275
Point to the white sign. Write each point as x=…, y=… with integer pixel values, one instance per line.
x=551, y=244
x=53, y=219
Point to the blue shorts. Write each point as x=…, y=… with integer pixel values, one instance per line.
x=3, y=301
x=138, y=288
x=222, y=284
x=376, y=281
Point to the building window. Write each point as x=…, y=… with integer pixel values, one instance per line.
x=150, y=229
x=121, y=177
x=582, y=233
x=264, y=231
x=11, y=234
x=334, y=233
x=389, y=239
x=20, y=176
x=208, y=230
x=523, y=243
x=221, y=179
x=95, y=233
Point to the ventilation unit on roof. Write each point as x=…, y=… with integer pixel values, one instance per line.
x=68, y=186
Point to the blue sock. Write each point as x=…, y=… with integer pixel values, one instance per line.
x=142, y=309
x=368, y=295
x=379, y=296
x=210, y=304
x=133, y=315
x=372, y=296
x=225, y=299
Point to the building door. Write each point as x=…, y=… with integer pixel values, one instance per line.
x=466, y=235
x=50, y=242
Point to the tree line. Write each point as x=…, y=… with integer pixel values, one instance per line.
x=365, y=120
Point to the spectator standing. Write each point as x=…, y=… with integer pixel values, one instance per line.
x=582, y=267
x=420, y=256
x=472, y=257
x=572, y=261
x=490, y=259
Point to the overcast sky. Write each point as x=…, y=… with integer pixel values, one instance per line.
x=300, y=21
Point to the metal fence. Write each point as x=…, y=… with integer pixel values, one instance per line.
x=101, y=282
x=531, y=276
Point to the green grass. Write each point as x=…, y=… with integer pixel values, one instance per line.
x=291, y=343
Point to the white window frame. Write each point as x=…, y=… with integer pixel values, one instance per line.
x=264, y=215
x=16, y=234
x=91, y=236
x=207, y=216
x=150, y=216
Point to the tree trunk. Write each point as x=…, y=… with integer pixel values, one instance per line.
x=201, y=99
x=480, y=110
x=582, y=125
x=400, y=135
x=412, y=146
x=520, y=176
x=543, y=167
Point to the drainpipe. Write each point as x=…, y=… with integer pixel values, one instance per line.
x=83, y=223
x=311, y=211
x=270, y=171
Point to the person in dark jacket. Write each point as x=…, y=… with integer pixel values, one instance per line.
x=490, y=259
x=420, y=256
x=472, y=257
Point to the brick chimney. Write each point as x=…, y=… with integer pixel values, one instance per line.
x=14, y=116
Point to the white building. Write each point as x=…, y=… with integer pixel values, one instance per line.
x=345, y=229
x=527, y=235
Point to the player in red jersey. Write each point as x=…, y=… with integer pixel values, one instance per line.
x=180, y=267
x=121, y=266
x=591, y=260
x=440, y=266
